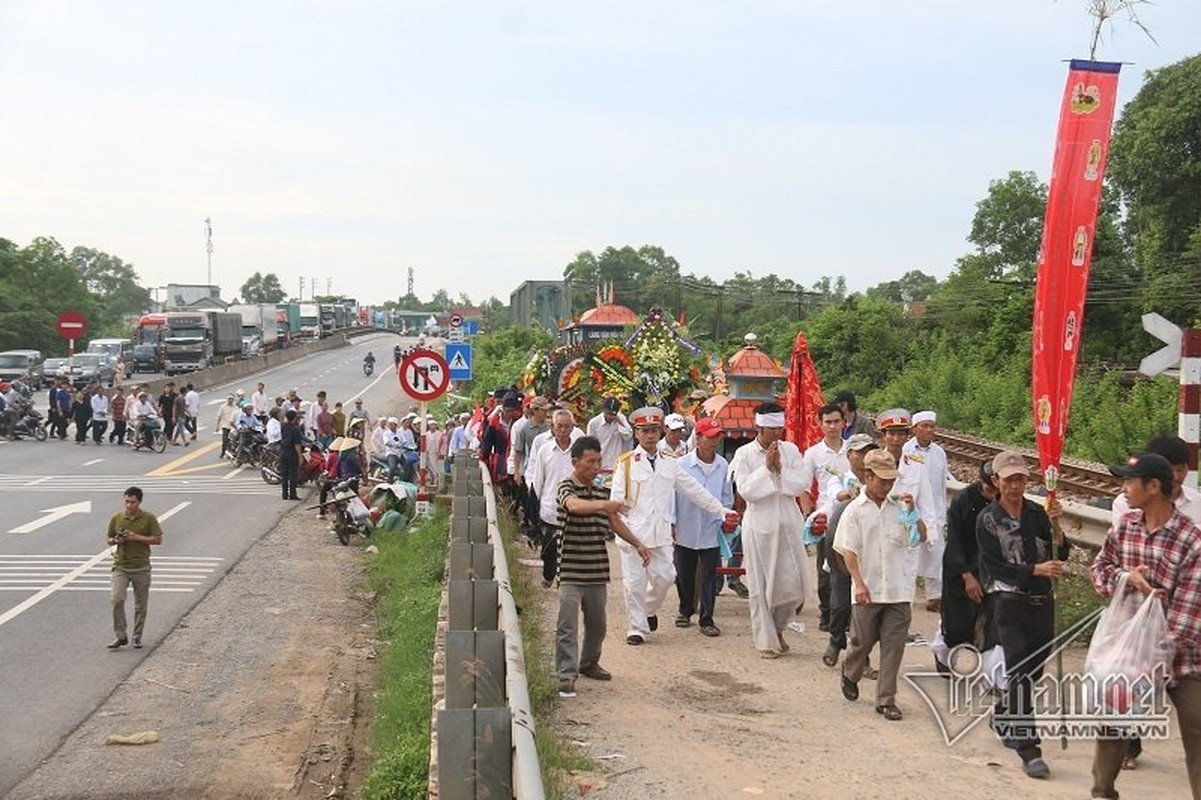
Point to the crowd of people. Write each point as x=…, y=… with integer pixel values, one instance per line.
x=870, y=499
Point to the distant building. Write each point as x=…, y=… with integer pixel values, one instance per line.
x=188, y=297
x=541, y=303
x=607, y=321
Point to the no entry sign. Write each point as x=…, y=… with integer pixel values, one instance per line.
x=424, y=375
x=72, y=325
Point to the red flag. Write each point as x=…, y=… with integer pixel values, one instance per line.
x=1081, y=149
x=801, y=425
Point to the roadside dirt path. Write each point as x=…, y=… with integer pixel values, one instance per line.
x=263, y=691
x=689, y=717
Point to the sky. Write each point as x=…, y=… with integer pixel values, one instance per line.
x=484, y=144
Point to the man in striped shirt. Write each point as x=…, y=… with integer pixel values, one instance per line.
x=586, y=516
x=1159, y=550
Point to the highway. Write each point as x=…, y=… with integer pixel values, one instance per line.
x=57, y=498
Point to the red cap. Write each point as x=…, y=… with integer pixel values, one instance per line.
x=709, y=427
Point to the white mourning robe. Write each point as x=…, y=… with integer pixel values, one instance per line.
x=927, y=467
x=777, y=569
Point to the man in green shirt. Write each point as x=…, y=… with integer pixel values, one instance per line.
x=130, y=533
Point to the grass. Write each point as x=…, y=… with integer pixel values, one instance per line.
x=556, y=757
x=1075, y=596
x=407, y=576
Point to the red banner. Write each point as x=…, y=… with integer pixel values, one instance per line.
x=1081, y=149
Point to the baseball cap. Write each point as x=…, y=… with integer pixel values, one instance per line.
x=861, y=441
x=675, y=422
x=611, y=404
x=647, y=417
x=511, y=400
x=882, y=463
x=1009, y=462
x=1145, y=466
x=893, y=418
x=539, y=402
x=709, y=428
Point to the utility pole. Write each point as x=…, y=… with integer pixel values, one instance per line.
x=208, y=237
x=300, y=294
x=312, y=288
x=410, y=281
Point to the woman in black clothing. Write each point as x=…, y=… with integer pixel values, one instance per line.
x=81, y=413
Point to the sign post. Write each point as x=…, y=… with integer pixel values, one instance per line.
x=424, y=376
x=1183, y=347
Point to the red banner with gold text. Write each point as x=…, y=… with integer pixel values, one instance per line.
x=1081, y=149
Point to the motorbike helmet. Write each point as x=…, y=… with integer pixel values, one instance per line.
x=4, y=387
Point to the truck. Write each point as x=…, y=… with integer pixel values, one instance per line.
x=259, y=327
x=310, y=321
x=194, y=340
x=287, y=323
x=329, y=319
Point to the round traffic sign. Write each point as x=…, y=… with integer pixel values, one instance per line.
x=72, y=325
x=424, y=375
x=456, y=320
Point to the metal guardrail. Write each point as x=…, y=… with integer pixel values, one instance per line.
x=484, y=728
x=1085, y=525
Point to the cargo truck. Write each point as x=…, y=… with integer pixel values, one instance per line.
x=194, y=340
x=259, y=331
x=287, y=323
x=329, y=319
x=310, y=321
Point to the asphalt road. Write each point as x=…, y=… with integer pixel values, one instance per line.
x=57, y=498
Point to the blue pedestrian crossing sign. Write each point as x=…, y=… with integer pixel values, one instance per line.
x=458, y=356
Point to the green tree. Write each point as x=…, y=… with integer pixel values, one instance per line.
x=260, y=288
x=37, y=283
x=1155, y=163
x=113, y=285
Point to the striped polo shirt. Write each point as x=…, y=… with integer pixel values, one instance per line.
x=583, y=556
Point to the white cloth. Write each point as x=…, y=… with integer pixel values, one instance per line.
x=192, y=401
x=225, y=418
x=1188, y=504
x=394, y=443
x=649, y=485
x=377, y=442
x=514, y=433
x=99, y=408
x=682, y=449
x=819, y=463
x=552, y=465
x=260, y=403
x=878, y=538
x=933, y=466
x=777, y=569
x=615, y=437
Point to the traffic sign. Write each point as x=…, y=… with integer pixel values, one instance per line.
x=472, y=327
x=456, y=320
x=72, y=325
x=424, y=375
x=458, y=357
x=1168, y=356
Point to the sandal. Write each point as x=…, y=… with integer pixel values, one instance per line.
x=830, y=657
x=890, y=712
x=768, y=654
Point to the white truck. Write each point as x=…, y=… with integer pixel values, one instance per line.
x=259, y=329
x=310, y=321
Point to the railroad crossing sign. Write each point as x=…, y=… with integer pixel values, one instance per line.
x=1167, y=356
x=458, y=356
x=72, y=325
x=424, y=375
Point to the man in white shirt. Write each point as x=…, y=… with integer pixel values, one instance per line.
x=275, y=428
x=1186, y=499
x=895, y=426
x=551, y=465
x=818, y=463
x=192, y=402
x=613, y=431
x=874, y=541
x=145, y=415
x=923, y=446
x=259, y=401
x=394, y=450
x=674, y=443
x=226, y=413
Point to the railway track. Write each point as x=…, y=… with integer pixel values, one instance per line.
x=1079, y=480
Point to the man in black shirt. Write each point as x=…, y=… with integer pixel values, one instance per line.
x=291, y=442
x=962, y=595
x=1017, y=572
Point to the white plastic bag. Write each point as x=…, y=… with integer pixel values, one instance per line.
x=1130, y=656
x=358, y=509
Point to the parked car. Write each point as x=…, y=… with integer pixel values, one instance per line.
x=53, y=368
x=146, y=358
x=24, y=365
x=89, y=368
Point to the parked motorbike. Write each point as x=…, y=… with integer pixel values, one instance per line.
x=312, y=466
x=351, y=514
x=25, y=420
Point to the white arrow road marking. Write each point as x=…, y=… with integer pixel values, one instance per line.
x=82, y=569
x=54, y=515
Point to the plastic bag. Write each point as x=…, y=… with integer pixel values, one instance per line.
x=1130, y=656
x=358, y=509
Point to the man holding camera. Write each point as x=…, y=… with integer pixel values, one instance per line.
x=131, y=532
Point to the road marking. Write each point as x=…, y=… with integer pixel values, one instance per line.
x=232, y=474
x=54, y=515
x=42, y=479
x=171, y=466
x=82, y=569
x=249, y=483
x=92, y=462
x=205, y=468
